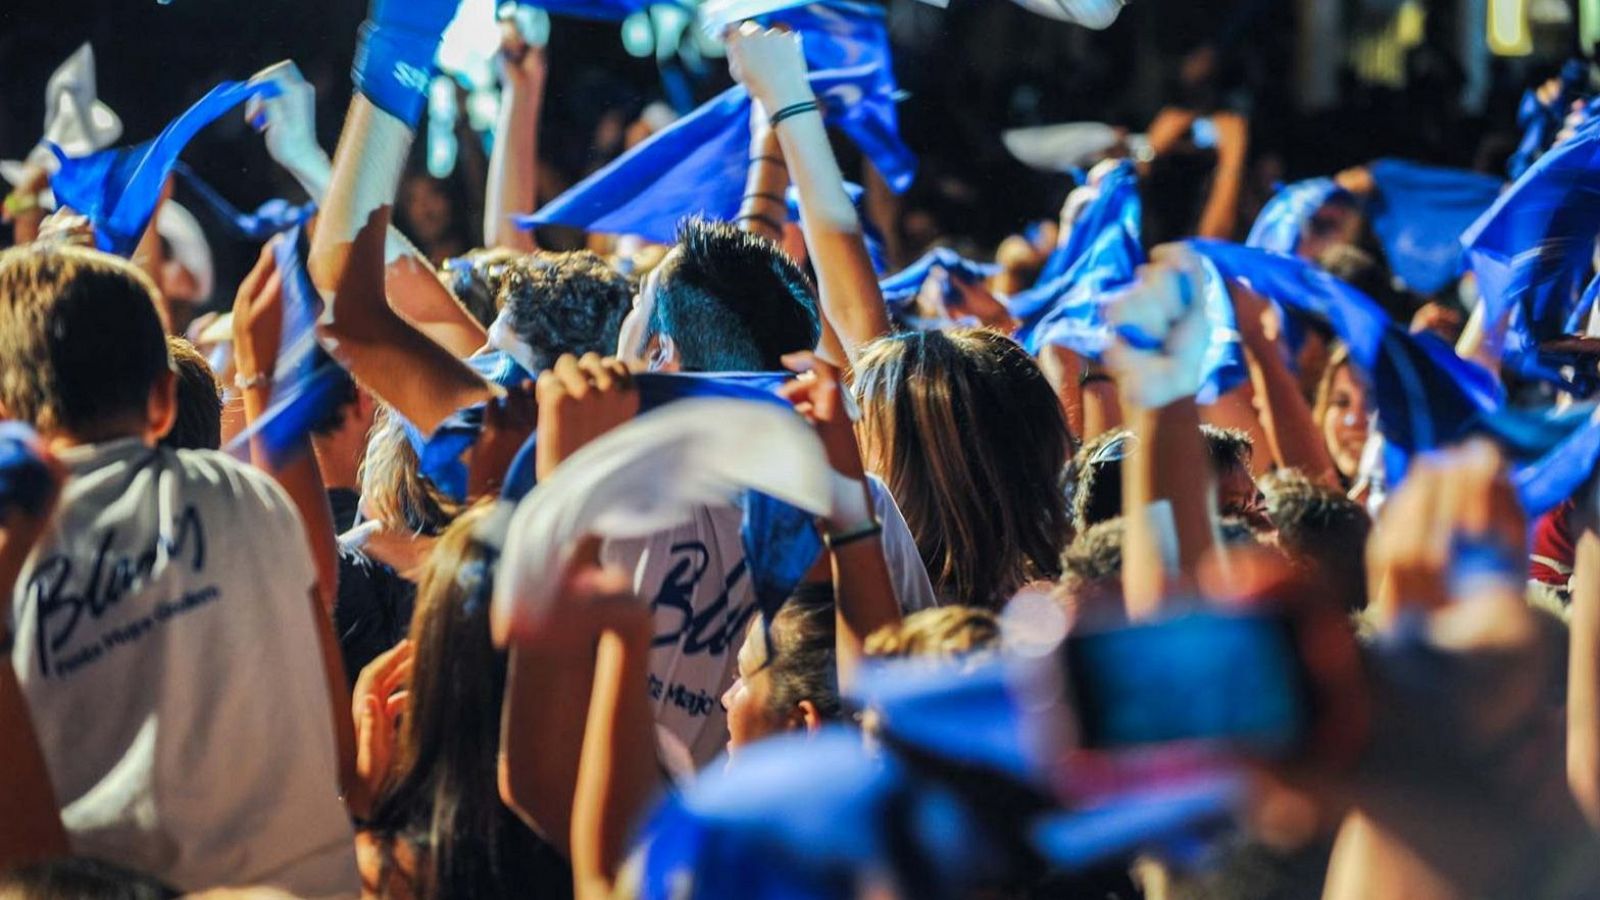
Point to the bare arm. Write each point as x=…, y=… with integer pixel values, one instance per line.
x=1290, y=430
x=618, y=777
x=1583, y=672
x=30, y=829
x=770, y=65
x=514, y=162
x=1169, y=465
x=394, y=360
x=1221, y=215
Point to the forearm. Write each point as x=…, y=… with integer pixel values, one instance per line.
x=1063, y=368
x=1583, y=679
x=865, y=600
x=846, y=281
x=1102, y=408
x=30, y=829
x=764, y=209
x=618, y=777
x=541, y=741
x=1220, y=218
x=513, y=164
x=302, y=481
x=1171, y=452
x=417, y=295
x=395, y=361
x=1290, y=429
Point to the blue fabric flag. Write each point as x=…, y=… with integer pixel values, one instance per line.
x=1419, y=213
x=118, y=189
x=307, y=384
x=269, y=218
x=1116, y=205
x=1069, y=311
x=900, y=289
x=697, y=165
x=1426, y=396
x=1530, y=251
x=25, y=481
x=1546, y=482
x=1541, y=121
x=600, y=10
x=1283, y=220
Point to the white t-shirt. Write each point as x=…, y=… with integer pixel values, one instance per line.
x=695, y=579
x=166, y=647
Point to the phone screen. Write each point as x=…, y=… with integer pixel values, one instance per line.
x=1235, y=678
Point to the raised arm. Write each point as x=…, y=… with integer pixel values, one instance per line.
x=1165, y=482
x=30, y=829
x=1220, y=218
x=863, y=591
x=514, y=162
x=770, y=65
x=404, y=308
x=1290, y=429
x=1583, y=664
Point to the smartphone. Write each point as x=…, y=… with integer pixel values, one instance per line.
x=1233, y=678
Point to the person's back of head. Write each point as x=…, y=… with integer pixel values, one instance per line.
x=477, y=279
x=970, y=438
x=555, y=303
x=82, y=351
x=199, y=422
x=394, y=491
x=944, y=634
x=79, y=878
x=443, y=800
x=726, y=300
x=1091, y=575
x=1322, y=530
x=1097, y=473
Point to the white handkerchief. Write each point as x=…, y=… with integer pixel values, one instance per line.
x=717, y=15
x=647, y=476
x=1096, y=14
x=1061, y=148
x=74, y=120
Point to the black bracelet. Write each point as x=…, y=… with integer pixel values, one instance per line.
x=844, y=539
x=792, y=110
x=1089, y=378
x=757, y=217
x=774, y=198
x=775, y=160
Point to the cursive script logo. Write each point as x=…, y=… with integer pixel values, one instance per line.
x=111, y=578
x=712, y=629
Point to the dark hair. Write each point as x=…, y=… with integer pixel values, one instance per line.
x=1097, y=494
x=565, y=303
x=80, y=878
x=345, y=393
x=971, y=440
x=477, y=279
x=1097, y=470
x=1172, y=195
x=81, y=342
x=443, y=799
x=732, y=301
x=198, y=425
x=1092, y=570
x=802, y=663
x=1228, y=448
x=1321, y=529
x=1366, y=273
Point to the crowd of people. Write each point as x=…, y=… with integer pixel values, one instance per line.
x=1128, y=562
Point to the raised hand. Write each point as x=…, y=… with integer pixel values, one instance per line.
x=380, y=697
x=579, y=400
x=1162, y=334
x=508, y=422
x=258, y=321
x=288, y=122
x=768, y=62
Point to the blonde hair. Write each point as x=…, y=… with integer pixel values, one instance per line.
x=944, y=634
x=393, y=490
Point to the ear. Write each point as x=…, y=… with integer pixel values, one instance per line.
x=809, y=716
x=161, y=409
x=662, y=354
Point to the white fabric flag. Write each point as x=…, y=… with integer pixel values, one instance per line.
x=74, y=120
x=647, y=476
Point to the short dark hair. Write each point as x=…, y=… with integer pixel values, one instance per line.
x=1097, y=468
x=1097, y=478
x=801, y=653
x=198, y=425
x=1228, y=448
x=1091, y=572
x=81, y=342
x=1321, y=529
x=732, y=301
x=477, y=279
x=565, y=303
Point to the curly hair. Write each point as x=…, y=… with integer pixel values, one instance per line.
x=564, y=303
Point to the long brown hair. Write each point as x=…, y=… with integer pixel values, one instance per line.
x=443, y=800
x=971, y=440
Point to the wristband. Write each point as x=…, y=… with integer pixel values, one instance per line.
x=870, y=528
x=393, y=68
x=761, y=195
x=765, y=220
x=260, y=379
x=1089, y=378
x=792, y=110
x=774, y=160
